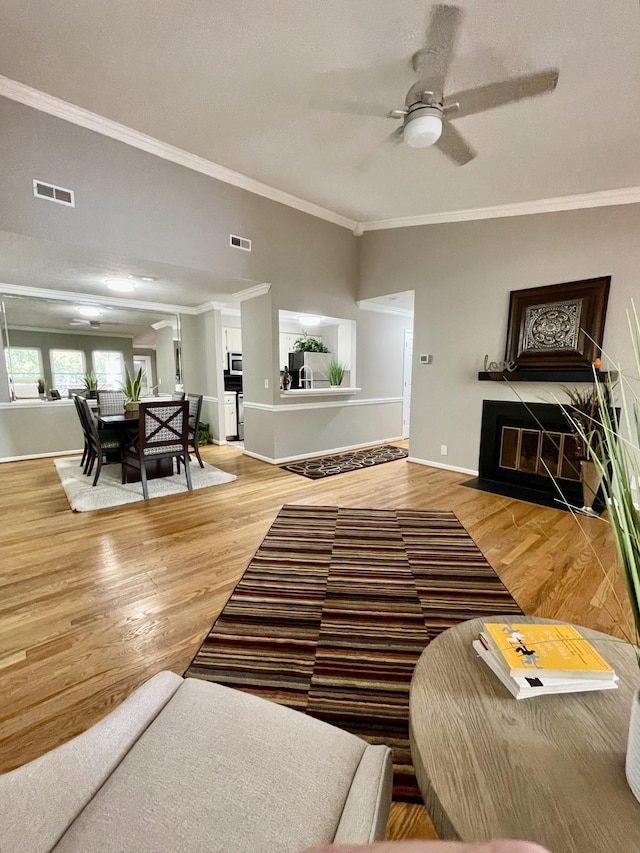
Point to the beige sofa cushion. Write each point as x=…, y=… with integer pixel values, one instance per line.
x=268, y=779
x=41, y=799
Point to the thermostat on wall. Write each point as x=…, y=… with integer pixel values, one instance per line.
x=426, y=359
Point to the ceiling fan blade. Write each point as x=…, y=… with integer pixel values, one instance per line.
x=493, y=95
x=351, y=107
x=454, y=145
x=432, y=62
x=390, y=141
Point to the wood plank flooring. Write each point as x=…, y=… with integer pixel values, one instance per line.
x=93, y=604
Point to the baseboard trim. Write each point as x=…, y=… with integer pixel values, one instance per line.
x=455, y=468
x=316, y=455
x=42, y=455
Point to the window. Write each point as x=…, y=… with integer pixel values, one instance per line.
x=24, y=368
x=68, y=368
x=108, y=366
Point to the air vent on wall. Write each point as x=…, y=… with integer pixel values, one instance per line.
x=51, y=193
x=240, y=243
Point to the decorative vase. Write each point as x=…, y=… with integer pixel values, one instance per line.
x=590, y=478
x=286, y=379
x=632, y=764
x=132, y=406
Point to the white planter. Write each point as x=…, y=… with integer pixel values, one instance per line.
x=632, y=764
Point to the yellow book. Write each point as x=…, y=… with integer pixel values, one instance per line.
x=549, y=650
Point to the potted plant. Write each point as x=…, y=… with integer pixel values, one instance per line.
x=335, y=372
x=308, y=344
x=132, y=387
x=616, y=455
x=41, y=389
x=204, y=434
x=583, y=417
x=90, y=381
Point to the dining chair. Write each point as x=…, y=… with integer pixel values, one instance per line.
x=100, y=441
x=195, y=408
x=163, y=433
x=111, y=402
x=177, y=395
x=85, y=431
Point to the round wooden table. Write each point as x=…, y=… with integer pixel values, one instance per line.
x=548, y=769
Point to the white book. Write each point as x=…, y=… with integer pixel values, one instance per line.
x=524, y=687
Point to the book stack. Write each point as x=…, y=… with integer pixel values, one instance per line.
x=534, y=659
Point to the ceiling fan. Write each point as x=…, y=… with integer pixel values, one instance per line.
x=428, y=112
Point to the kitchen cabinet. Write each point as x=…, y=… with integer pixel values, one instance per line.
x=230, y=416
x=232, y=339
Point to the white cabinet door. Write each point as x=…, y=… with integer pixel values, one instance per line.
x=232, y=339
x=230, y=421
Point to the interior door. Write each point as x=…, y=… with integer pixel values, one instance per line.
x=406, y=382
x=144, y=362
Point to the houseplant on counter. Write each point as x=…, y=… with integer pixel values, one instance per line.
x=132, y=387
x=335, y=372
x=90, y=381
x=305, y=343
x=616, y=456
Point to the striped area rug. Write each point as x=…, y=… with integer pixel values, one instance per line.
x=335, y=608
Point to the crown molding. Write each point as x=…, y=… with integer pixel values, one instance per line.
x=88, y=330
x=382, y=309
x=209, y=306
x=602, y=198
x=252, y=292
x=51, y=105
x=92, y=299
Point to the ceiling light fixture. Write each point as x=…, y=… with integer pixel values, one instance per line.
x=309, y=320
x=88, y=311
x=423, y=127
x=120, y=285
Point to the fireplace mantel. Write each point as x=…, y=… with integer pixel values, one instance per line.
x=580, y=374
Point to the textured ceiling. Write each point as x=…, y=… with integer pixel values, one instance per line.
x=29, y=262
x=244, y=83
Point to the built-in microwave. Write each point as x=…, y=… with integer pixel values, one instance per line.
x=234, y=363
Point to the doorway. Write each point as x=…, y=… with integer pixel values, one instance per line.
x=144, y=362
x=406, y=382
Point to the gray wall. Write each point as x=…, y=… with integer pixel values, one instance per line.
x=462, y=274
x=132, y=204
x=47, y=341
x=136, y=205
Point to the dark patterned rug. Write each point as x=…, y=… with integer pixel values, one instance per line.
x=336, y=607
x=325, y=466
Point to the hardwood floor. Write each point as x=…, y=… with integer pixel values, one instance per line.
x=92, y=604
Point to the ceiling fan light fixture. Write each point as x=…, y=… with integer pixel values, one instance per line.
x=423, y=128
x=89, y=311
x=120, y=285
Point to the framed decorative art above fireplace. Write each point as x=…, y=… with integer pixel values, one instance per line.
x=558, y=326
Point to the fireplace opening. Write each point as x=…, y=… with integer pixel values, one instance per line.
x=527, y=451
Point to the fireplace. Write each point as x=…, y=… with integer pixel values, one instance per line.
x=527, y=451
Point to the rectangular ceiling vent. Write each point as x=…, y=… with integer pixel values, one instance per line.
x=52, y=193
x=240, y=243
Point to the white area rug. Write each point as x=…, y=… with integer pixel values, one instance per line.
x=83, y=497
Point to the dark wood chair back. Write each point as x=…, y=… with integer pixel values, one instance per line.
x=163, y=431
x=195, y=409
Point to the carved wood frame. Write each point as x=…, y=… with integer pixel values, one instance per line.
x=591, y=295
